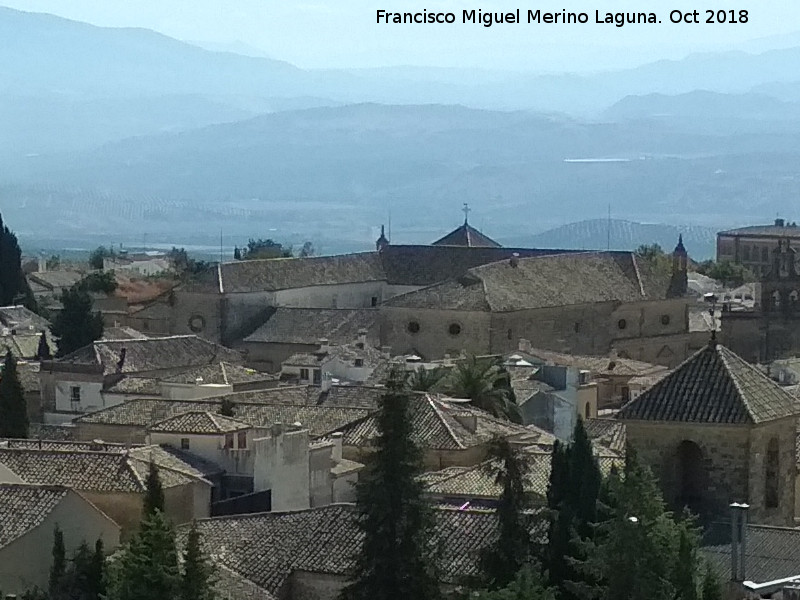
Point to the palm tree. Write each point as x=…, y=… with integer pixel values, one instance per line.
x=426, y=380
x=486, y=384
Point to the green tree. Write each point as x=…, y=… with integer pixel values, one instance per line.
x=148, y=567
x=712, y=590
x=154, y=491
x=307, y=250
x=197, y=579
x=43, y=351
x=655, y=255
x=104, y=282
x=58, y=569
x=264, y=249
x=573, y=492
x=96, y=575
x=527, y=585
x=426, y=380
x=685, y=575
x=397, y=558
x=97, y=255
x=486, y=384
x=501, y=561
x=14, y=288
x=227, y=408
x=76, y=325
x=13, y=406
x=726, y=272
x=185, y=266
x=237, y=254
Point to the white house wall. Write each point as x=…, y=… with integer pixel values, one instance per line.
x=91, y=396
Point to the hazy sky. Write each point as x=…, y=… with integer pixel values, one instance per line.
x=343, y=33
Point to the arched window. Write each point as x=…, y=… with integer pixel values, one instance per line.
x=771, y=479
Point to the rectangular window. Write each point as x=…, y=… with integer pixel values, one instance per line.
x=228, y=441
x=374, y=301
x=317, y=377
x=359, y=362
x=304, y=374
x=241, y=442
x=75, y=394
x=184, y=443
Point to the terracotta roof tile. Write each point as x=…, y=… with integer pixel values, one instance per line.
x=308, y=325
x=712, y=386
x=24, y=507
x=198, y=422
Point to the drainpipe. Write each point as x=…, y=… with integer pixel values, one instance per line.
x=734, y=542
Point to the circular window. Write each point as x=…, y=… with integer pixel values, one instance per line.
x=622, y=323
x=665, y=319
x=454, y=329
x=197, y=323
x=413, y=327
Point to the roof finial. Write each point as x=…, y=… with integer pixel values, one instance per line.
x=466, y=210
x=711, y=298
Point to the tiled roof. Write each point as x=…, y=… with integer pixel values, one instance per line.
x=198, y=422
x=439, y=424
x=607, y=432
x=598, y=365
x=229, y=585
x=309, y=325
x=216, y=373
x=765, y=230
x=466, y=235
x=122, y=333
x=426, y=265
x=285, y=273
x=266, y=548
x=346, y=353
x=24, y=507
x=771, y=552
x=143, y=412
x=56, y=279
x=93, y=467
x=361, y=396
x=712, y=386
x=151, y=354
x=545, y=281
x=20, y=318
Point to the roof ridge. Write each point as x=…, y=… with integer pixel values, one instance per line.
x=638, y=274
x=437, y=411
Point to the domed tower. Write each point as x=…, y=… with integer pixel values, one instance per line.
x=382, y=241
x=679, y=284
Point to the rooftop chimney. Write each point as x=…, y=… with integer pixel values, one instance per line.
x=779, y=222
x=41, y=265
x=738, y=541
x=514, y=262
x=121, y=363
x=524, y=345
x=324, y=346
x=386, y=351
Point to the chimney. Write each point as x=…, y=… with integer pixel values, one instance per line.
x=779, y=223
x=739, y=541
x=362, y=339
x=524, y=345
x=324, y=346
x=386, y=351
x=326, y=382
x=514, y=261
x=337, y=438
x=121, y=363
x=41, y=266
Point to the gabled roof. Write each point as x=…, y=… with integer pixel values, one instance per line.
x=598, y=365
x=20, y=318
x=346, y=353
x=544, y=281
x=24, y=507
x=267, y=548
x=199, y=422
x=714, y=385
x=309, y=325
x=216, y=373
x=146, y=355
x=275, y=274
x=439, y=424
x=93, y=466
x=320, y=420
x=467, y=235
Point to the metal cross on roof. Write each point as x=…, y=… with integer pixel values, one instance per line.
x=466, y=210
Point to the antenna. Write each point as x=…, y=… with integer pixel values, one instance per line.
x=220, y=245
x=608, y=229
x=390, y=224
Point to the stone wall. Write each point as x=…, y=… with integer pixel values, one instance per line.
x=304, y=585
x=432, y=337
x=785, y=432
x=726, y=461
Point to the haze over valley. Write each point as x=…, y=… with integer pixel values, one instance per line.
x=121, y=135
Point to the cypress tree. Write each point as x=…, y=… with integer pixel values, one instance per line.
x=227, y=408
x=396, y=560
x=685, y=578
x=197, y=579
x=43, y=350
x=13, y=406
x=712, y=590
x=12, y=280
x=149, y=566
x=501, y=562
x=58, y=569
x=96, y=575
x=154, y=494
x=76, y=325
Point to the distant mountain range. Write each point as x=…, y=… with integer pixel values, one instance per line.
x=116, y=131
